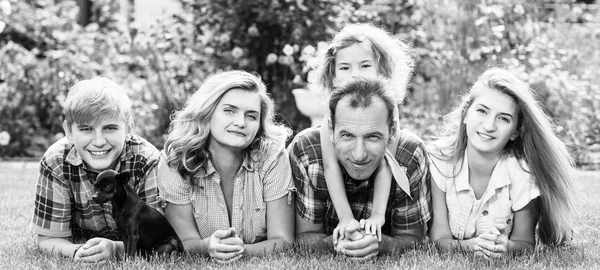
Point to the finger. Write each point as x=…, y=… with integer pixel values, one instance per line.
x=500, y=227
x=488, y=237
x=362, y=224
x=362, y=247
x=494, y=230
x=225, y=256
x=367, y=228
x=490, y=254
x=232, y=241
x=335, y=235
x=92, y=242
x=342, y=233
x=232, y=232
x=220, y=234
x=379, y=234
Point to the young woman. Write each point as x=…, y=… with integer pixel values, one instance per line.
x=362, y=50
x=225, y=174
x=499, y=171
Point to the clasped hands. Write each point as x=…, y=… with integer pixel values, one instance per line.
x=493, y=244
x=225, y=246
x=356, y=243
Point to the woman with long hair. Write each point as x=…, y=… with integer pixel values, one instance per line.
x=499, y=171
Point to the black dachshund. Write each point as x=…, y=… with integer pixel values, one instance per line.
x=142, y=227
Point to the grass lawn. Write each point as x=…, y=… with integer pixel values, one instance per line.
x=17, y=249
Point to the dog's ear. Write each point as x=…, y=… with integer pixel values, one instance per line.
x=123, y=178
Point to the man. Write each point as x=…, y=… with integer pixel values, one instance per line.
x=361, y=124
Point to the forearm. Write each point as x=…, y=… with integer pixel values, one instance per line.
x=195, y=245
x=57, y=246
x=266, y=247
x=519, y=246
x=315, y=241
x=398, y=243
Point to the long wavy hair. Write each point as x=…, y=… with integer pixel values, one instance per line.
x=544, y=153
x=187, y=142
x=392, y=56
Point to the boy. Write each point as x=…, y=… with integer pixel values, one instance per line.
x=98, y=126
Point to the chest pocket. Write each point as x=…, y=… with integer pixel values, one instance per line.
x=498, y=211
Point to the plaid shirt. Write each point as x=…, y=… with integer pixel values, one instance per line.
x=63, y=200
x=314, y=205
x=256, y=184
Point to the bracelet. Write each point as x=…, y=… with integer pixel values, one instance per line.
x=76, y=249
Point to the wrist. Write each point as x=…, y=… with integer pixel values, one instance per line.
x=77, y=247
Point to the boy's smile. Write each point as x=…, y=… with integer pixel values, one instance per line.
x=99, y=144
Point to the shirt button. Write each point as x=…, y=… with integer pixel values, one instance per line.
x=508, y=221
x=485, y=212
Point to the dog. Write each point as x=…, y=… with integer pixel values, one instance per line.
x=142, y=228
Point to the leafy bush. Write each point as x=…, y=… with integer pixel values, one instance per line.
x=43, y=51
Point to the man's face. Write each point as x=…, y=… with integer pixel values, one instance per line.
x=360, y=137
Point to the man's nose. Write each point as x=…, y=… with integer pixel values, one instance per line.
x=359, y=153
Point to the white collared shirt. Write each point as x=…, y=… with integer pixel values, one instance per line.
x=510, y=189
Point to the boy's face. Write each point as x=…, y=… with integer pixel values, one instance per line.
x=99, y=144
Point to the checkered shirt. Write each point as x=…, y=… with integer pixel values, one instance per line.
x=314, y=205
x=256, y=184
x=63, y=201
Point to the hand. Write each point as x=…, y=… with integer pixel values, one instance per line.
x=96, y=250
x=373, y=225
x=346, y=224
x=495, y=243
x=225, y=246
x=361, y=249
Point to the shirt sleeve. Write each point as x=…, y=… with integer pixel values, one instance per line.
x=151, y=189
x=411, y=214
x=173, y=188
x=52, y=206
x=523, y=187
x=307, y=206
x=278, y=178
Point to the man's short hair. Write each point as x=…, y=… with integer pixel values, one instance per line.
x=90, y=100
x=361, y=92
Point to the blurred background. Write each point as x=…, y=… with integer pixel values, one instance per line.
x=162, y=50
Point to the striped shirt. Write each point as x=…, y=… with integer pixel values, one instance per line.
x=256, y=184
x=314, y=205
x=63, y=202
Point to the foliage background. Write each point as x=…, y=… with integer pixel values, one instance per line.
x=553, y=45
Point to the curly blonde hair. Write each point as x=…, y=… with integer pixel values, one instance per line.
x=187, y=142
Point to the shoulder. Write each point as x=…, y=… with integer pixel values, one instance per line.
x=140, y=147
x=519, y=173
x=410, y=151
x=306, y=143
x=272, y=152
x=57, y=153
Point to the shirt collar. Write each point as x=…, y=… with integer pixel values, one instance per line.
x=398, y=173
x=247, y=164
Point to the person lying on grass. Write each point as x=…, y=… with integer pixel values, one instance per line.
x=499, y=172
x=225, y=173
x=98, y=125
x=361, y=124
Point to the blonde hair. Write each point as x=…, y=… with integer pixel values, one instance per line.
x=545, y=154
x=392, y=56
x=90, y=100
x=187, y=142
